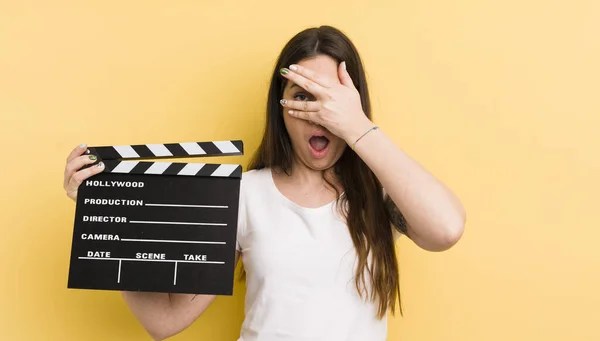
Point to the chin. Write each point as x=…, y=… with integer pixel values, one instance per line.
x=320, y=165
x=323, y=159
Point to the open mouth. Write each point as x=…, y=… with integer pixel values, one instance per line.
x=318, y=145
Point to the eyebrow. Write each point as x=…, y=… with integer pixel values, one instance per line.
x=294, y=84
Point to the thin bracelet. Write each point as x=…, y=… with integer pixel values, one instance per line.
x=363, y=135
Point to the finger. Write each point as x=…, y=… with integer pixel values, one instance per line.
x=75, y=164
x=305, y=83
x=79, y=150
x=301, y=105
x=79, y=177
x=311, y=75
x=344, y=76
x=305, y=115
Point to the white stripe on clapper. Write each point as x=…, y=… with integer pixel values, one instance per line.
x=126, y=151
x=159, y=150
x=224, y=170
x=192, y=148
x=124, y=167
x=226, y=147
x=175, y=275
x=158, y=167
x=181, y=205
x=170, y=241
x=174, y=223
x=119, y=275
x=191, y=169
x=153, y=260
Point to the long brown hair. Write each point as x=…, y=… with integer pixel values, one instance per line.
x=367, y=218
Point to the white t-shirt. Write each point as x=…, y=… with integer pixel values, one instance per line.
x=300, y=267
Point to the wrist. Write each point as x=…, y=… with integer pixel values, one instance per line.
x=357, y=130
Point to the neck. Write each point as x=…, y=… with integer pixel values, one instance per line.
x=308, y=178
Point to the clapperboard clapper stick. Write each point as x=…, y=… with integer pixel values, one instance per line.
x=158, y=226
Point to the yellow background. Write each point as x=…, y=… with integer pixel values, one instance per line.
x=500, y=99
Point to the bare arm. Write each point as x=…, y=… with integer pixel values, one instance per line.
x=397, y=220
x=434, y=215
x=164, y=315
x=423, y=207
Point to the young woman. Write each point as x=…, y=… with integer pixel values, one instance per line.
x=321, y=206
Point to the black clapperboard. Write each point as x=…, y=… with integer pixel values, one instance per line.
x=158, y=226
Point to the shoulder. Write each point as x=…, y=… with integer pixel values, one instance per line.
x=254, y=177
x=253, y=174
x=254, y=181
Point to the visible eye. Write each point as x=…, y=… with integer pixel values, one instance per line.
x=300, y=97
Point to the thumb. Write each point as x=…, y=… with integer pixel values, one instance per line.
x=345, y=78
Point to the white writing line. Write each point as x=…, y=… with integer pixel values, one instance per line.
x=179, y=205
x=170, y=241
x=175, y=275
x=175, y=223
x=119, y=276
x=153, y=260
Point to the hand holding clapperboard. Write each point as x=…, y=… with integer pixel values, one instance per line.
x=158, y=226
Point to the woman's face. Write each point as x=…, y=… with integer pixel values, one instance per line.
x=313, y=145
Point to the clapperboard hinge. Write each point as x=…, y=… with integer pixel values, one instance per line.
x=122, y=158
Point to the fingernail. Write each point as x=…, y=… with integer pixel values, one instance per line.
x=291, y=112
x=283, y=101
x=284, y=71
x=344, y=65
x=293, y=67
x=82, y=145
x=100, y=165
x=93, y=157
